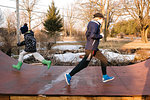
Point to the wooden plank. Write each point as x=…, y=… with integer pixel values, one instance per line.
x=78, y=98
x=127, y=98
x=41, y=98
x=116, y=98
x=23, y=98
x=103, y=98
x=71, y=98
x=81, y=98
x=56, y=98
x=137, y=98
x=4, y=97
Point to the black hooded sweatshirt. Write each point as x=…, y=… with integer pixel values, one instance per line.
x=29, y=42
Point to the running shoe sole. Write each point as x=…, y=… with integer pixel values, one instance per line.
x=66, y=79
x=108, y=80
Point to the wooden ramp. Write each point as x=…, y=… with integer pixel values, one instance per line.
x=33, y=81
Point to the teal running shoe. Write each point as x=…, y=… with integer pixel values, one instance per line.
x=107, y=78
x=68, y=78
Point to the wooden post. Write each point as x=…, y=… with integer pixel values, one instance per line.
x=18, y=21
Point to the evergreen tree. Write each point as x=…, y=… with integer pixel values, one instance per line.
x=53, y=23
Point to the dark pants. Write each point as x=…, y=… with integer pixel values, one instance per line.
x=84, y=63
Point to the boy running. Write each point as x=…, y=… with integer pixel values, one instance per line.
x=30, y=48
x=91, y=49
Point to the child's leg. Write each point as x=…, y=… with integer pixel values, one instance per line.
x=20, y=60
x=21, y=55
x=103, y=60
x=38, y=56
x=104, y=63
x=41, y=58
x=83, y=64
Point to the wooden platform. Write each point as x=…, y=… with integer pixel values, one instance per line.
x=73, y=98
x=32, y=81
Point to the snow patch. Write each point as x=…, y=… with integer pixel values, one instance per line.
x=74, y=57
x=69, y=57
x=117, y=57
x=67, y=47
x=68, y=41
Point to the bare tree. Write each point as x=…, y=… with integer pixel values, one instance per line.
x=29, y=6
x=8, y=34
x=112, y=14
x=138, y=10
x=86, y=9
x=70, y=19
x=109, y=8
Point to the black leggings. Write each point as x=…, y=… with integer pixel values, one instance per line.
x=83, y=64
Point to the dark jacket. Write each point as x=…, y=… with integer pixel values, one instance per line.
x=29, y=42
x=93, y=35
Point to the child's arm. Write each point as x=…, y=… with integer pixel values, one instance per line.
x=94, y=35
x=21, y=43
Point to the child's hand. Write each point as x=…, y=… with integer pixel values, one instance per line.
x=21, y=43
x=102, y=34
x=18, y=44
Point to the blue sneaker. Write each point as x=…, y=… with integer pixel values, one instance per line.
x=68, y=78
x=107, y=78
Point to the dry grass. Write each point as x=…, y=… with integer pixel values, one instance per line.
x=112, y=44
x=136, y=44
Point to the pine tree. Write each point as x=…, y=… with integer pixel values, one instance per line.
x=53, y=23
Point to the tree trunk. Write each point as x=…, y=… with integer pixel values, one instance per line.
x=106, y=23
x=70, y=33
x=144, y=35
x=146, y=32
x=104, y=31
x=55, y=38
